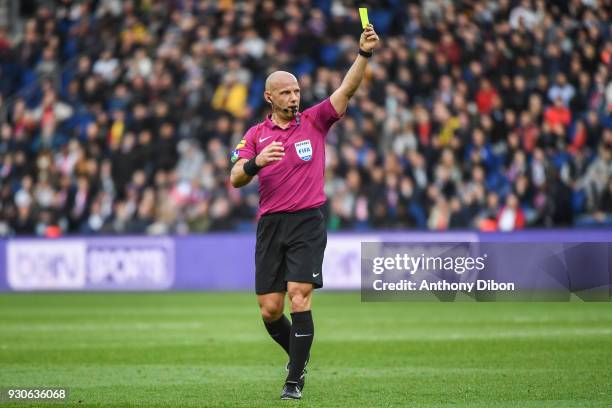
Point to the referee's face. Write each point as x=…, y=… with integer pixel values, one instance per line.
x=285, y=97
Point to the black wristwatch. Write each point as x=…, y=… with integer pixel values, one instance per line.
x=365, y=53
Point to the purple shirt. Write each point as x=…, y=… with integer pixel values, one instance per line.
x=295, y=182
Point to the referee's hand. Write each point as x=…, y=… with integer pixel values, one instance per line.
x=369, y=39
x=270, y=154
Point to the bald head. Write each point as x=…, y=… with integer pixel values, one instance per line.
x=283, y=94
x=280, y=79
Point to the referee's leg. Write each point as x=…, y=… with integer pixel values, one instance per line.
x=278, y=326
x=302, y=328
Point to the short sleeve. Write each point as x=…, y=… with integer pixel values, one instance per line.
x=325, y=114
x=245, y=149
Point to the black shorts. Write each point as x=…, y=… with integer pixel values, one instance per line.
x=289, y=248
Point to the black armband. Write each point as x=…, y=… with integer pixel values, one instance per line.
x=365, y=53
x=250, y=167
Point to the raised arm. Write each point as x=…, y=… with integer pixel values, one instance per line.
x=340, y=98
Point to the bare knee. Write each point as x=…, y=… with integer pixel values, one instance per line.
x=271, y=314
x=300, y=298
x=271, y=308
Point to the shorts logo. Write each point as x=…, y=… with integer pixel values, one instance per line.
x=304, y=150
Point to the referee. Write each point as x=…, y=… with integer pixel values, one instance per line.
x=287, y=151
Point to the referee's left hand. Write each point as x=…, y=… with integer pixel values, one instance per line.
x=270, y=154
x=369, y=39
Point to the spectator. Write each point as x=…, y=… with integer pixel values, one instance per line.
x=119, y=117
x=561, y=90
x=511, y=216
x=558, y=114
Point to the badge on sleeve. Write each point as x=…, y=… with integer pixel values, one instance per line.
x=239, y=146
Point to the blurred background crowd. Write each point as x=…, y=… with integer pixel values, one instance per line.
x=120, y=116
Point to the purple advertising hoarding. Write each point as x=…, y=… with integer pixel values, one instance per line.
x=3, y=284
x=220, y=261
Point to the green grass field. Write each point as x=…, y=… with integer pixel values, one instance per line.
x=211, y=350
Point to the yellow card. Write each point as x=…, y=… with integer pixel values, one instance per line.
x=363, y=13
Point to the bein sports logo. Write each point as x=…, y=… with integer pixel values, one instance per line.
x=121, y=267
x=38, y=265
x=96, y=264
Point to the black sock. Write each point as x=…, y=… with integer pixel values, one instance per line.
x=280, y=330
x=302, y=333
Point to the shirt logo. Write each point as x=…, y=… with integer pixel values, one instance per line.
x=304, y=150
x=263, y=139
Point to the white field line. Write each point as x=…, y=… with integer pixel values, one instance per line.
x=205, y=342
x=402, y=332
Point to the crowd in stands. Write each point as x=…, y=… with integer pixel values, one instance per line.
x=118, y=117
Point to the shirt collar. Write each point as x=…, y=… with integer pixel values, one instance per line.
x=271, y=125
